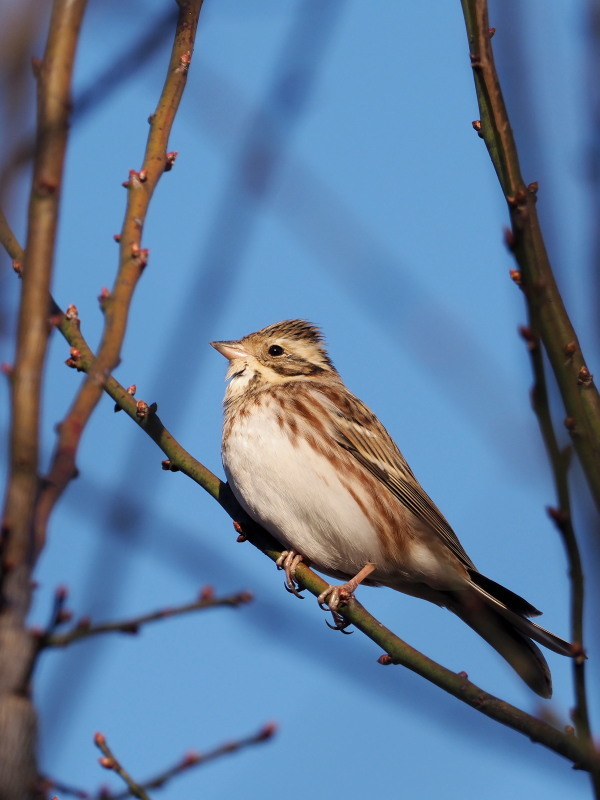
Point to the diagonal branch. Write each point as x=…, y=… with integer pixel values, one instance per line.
x=549, y=318
x=396, y=650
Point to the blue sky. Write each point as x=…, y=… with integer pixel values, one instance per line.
x=327, y=169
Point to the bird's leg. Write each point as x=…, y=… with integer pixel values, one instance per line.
x=335, y=596
x=289, y=560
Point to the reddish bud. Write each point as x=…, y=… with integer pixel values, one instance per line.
x=99, y=739
x=71, y=312
x=170, y=160
x=585, y=377
x=189, y=759
x=267, y=731
x=509, y=239
x=569, y=423
x=143, y=175
x=17, y=266
x=117, y=237
x=515, y=275
x=107, y=763
x=570, y=349
x=142, y=409
x=103, y=296
x=206, y=593
x=463, y=674
x=385, y=660
x=492, y=31
x=185, y=61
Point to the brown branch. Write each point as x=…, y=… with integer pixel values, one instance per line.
x=84, y=629
x=17, y=715
x=562, y=517
x=549, y=318
x=194, y=759
x=116, y=303
x=550, y=324
x=108, y=761
x=189, y=761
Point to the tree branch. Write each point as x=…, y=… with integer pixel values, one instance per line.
x=17, y=715
x=549, y=318
x=83, y=629
x=115, y=304
x=559, y=462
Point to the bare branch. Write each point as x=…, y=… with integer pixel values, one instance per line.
x=108, y=761
x=549, y=318
x=17, y=715
x=84, y=629
x=133, y=259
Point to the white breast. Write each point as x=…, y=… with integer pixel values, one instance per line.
x=295, y=493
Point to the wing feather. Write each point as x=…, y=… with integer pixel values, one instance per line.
x=358, y=431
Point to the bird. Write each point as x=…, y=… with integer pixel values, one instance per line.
x=312, y=464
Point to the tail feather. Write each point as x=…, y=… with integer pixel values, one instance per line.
x=507, y=639
x=514, y=616
x=511, y=600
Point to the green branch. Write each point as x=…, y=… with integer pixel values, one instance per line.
x=549, y=318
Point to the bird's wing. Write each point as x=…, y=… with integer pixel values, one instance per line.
x=359, y=432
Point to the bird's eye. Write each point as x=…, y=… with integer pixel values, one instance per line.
x=275, y=350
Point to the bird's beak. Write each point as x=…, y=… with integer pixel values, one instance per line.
x=230, y=350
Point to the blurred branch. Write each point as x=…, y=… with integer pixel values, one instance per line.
x=549, y=318
x=108, y=761
x=17, y=715
x=121, y=67
x=194, y=759
x=83, y=629
x=188, y=761
x=115, y=304
x=559, y=462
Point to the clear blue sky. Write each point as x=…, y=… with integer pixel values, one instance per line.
x=328, y=170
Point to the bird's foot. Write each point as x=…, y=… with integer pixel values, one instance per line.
x=335, y=596
x=288, y=561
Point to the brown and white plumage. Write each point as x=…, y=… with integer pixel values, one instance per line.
x=314, y=466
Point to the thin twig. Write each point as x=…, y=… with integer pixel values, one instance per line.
x=549, y=318
x=187, y=762
x=84, y=629
x=133, y=259
x=194, y=759
x=108, y=761
x=559, y=461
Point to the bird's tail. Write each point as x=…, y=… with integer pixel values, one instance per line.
x=500, y=617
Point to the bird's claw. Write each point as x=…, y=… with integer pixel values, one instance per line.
x=288, y=561
x=330, y=600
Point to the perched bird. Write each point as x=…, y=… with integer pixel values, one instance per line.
x=308, y=461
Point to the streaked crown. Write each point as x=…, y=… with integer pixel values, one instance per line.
x=290, y=348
